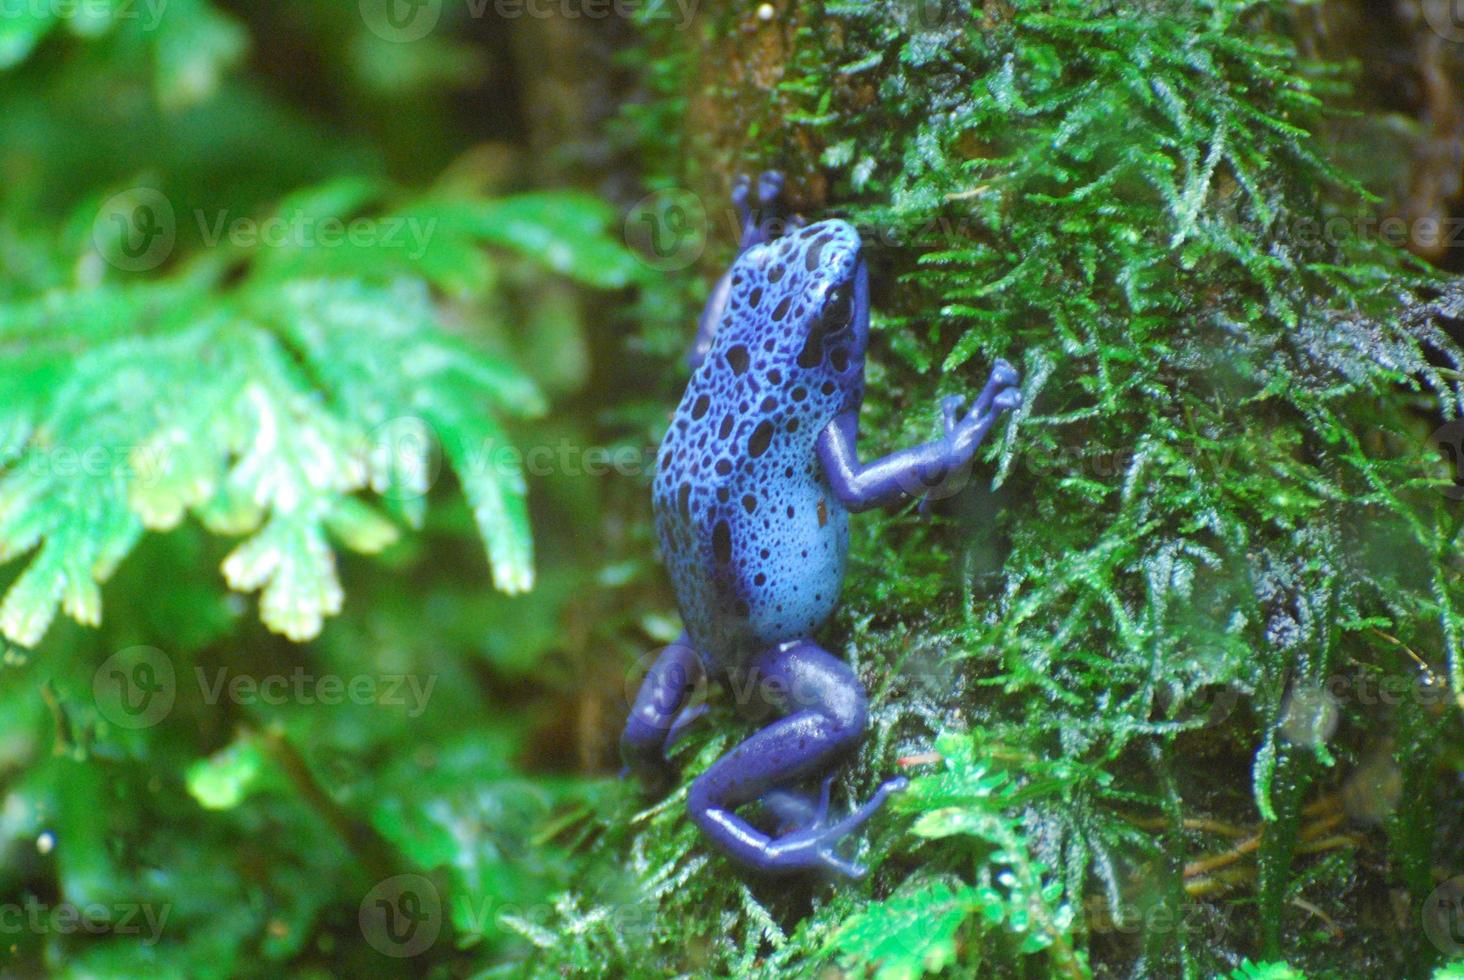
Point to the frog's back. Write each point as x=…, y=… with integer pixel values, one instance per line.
x=752, y=536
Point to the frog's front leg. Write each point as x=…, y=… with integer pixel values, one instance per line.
x=671, y=696
x=824, y=711
x=916, y=471
x=756, y=226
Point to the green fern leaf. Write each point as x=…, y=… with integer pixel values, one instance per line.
x=266, y=410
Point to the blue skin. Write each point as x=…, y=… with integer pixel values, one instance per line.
x=756, y=479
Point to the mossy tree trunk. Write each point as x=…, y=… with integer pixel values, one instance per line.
x=1151, y=615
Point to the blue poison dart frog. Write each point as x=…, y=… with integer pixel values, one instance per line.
x=754, y=484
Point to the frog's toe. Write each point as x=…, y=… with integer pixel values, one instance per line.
x=1003, y=374
x=1006, y=400
x=770, y=187
x=950, y=407
x=849, y=869
x=741, y=190
x=871, y=806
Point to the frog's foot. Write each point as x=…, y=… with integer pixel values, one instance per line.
x=1000, y=394
x=671, y=697
x=964, y=430
x=795, y=810
x=816, y=844
x=769, y=218
x=689, y=716
x=800, y=817
x=770, y=189
x=1003, y=378
x=824, y=708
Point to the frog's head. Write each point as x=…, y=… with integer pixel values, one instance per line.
x=801, y=303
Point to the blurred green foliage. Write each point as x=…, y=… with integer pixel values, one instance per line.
x=277, y=276
x=234, y=318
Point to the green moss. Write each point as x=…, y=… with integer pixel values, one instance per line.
x=1219, y=492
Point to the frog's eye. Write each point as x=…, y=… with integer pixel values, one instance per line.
x=837, y=311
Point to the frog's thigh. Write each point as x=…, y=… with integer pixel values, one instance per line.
x=824, y=710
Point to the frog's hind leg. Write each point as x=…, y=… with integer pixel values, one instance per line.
x=672, y=696
x=824, y=711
